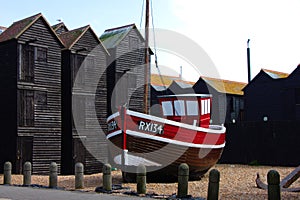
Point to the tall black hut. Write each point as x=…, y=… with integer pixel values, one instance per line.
x=84, y=107
x=30, y=60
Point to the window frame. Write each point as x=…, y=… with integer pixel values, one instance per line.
x=26, y=108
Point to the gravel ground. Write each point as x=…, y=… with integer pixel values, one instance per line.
x=236, y=182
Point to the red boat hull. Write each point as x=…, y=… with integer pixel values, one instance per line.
x=162, y=145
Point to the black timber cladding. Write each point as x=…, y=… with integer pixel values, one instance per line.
x=42, y=136
x=126, y=66
x=84, y=139
x=46, y=132
x=8, y=102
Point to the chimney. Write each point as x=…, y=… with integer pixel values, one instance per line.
x=248, y=61
x=180, y=73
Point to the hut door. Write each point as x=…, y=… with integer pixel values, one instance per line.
x=24, y=152
x=79, y=151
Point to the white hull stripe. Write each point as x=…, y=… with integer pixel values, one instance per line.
x=166, y=140
x=113, y=134
x=212, y=128
x=112, y=116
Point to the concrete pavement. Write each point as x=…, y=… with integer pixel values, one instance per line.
x=25, y=193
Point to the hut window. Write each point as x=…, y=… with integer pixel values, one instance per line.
x=133, y=43
x=167, y=108
x=40, y=98
x=78, y=62
x=192, y=108
x=79, y=116
x=179, y=108
x=41, y=54
x=132, y=80
x=25, y=107
x=26, y=63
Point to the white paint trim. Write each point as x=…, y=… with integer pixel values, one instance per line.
x=171, y=141
x=215, y=129
x=113, y=134
x=112, y=116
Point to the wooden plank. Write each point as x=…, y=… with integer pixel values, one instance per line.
x=291, y=178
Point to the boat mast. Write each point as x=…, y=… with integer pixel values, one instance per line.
x=147, y=71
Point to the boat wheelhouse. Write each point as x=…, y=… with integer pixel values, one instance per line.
x=191, y=109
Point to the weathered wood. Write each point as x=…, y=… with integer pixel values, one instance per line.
x=291, y=178
x=141, y=179
x=53, y=175
x=264, y=186
x=27, y=173
x=183, y=180
x=273, y=178
x=82, y=140
x=7, y=173
x=107, y=178
x=213, y=185
x=43, y=87
x=79, y=176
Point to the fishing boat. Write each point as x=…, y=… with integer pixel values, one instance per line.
x=182, y=134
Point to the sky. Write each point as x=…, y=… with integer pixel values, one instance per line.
x=221, y=28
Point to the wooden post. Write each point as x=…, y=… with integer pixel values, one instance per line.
x=213, y=185
x=183, y=180
x=52, y=175
x=147, y=65
x=107, y=179
x=141, y=179
x=273, y=178
x=79, y=176
x=27, y=173
x=7, y=173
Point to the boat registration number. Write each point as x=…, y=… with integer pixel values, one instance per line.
x=112, y=126
x=151, y=127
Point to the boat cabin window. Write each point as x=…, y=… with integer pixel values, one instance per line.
x=179, y=108
x=167, y=108
x=205, y=106
x=192, y=108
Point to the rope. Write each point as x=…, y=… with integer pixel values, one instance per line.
x=142, y=14
x=155, y=53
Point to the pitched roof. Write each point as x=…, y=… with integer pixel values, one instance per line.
x=225, y=86
x=2, y=29
x=17, y=28
x=183, y=84
x=59, y=25
x=71, y=37
x=222, y=86
x=112, y=37
x=275, y=74
x=162, y=80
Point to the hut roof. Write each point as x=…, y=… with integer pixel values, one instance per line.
x=275, y=74
x=225, y=86
x=59, y=25
x=112, y=37
x=15, y=30
x=71, y=37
